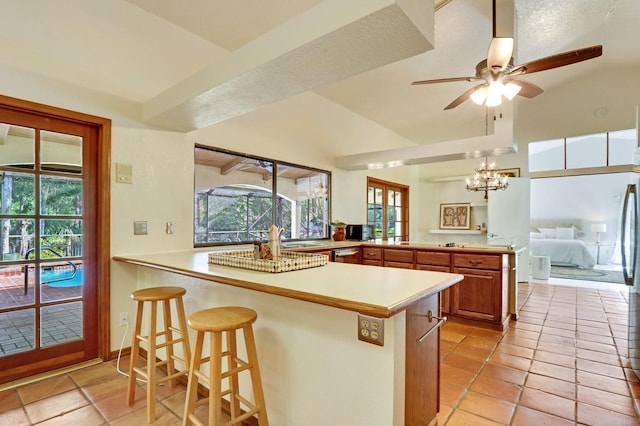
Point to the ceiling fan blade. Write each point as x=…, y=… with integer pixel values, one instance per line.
x=500, y=51
x=528, y=90
x=559, y=60
x=446, y=80
x=460, y=99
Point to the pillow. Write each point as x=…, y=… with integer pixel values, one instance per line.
x=565, y=233
x=548, y=232
x=536, y=235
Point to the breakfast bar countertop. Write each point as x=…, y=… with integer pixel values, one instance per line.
x=372, y=290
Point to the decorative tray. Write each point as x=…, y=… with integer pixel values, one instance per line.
x=289, y=260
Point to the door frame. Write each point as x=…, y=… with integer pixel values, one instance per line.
x=103, y=200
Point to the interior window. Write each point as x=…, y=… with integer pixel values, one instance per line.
x=239, y=196
x=580, y=152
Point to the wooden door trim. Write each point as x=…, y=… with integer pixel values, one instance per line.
x=103, y=199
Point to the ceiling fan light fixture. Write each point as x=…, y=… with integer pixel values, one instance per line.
x=479, y=95
x=494, y=94
x=511, y=90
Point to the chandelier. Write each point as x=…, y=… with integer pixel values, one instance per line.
x=487, y=179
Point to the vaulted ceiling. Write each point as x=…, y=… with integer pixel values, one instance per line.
x=174, y=59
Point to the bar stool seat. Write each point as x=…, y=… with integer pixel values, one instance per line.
x=156, y=339
x=217, y=321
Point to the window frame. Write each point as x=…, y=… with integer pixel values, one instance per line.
x=387, y=186
x=277, y=169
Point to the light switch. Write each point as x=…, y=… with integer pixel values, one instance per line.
x=140, y=228
x=124, y=173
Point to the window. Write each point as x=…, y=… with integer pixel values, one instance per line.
x=388, y=210
x=589, y=151
x=237, y=198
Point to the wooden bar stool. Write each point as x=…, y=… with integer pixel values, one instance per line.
x=217, y=321
x=166, y=338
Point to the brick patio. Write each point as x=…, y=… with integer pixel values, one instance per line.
x=60, y=323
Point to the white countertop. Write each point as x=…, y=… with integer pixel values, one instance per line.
x=371, y=290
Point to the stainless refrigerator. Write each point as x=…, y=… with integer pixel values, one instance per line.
x=630, y=267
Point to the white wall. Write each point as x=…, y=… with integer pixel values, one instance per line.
x=581, y=201
x=302, y=130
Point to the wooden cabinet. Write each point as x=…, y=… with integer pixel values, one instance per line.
x=398, y=258
x=372, y=256
x=482, y=294
x=482, y=297
x=422, y=378
x=438, y=261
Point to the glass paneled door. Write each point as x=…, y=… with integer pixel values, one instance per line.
x=388, y=209
x=47, y=276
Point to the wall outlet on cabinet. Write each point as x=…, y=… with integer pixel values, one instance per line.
x=124, y=319
x=371, y=329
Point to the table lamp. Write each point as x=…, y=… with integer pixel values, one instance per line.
x=598, y=228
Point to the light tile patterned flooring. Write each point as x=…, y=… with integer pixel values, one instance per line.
x=563, y=363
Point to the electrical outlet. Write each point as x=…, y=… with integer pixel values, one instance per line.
x=371, y=329
x=124, y=319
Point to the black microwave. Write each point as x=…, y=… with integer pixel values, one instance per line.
x=359, y=232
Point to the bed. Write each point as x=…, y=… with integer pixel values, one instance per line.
x=561, y=248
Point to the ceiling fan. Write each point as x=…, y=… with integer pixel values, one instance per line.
x=498, y=71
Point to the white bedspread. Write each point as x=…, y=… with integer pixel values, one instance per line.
x=563, y=252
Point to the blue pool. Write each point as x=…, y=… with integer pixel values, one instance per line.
x=65, y=277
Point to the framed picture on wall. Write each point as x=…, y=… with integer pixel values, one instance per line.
x=455, y=216
x=510, y=172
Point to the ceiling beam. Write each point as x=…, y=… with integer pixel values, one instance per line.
x=500, y=139
x=334, y=40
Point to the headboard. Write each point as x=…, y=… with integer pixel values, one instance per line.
x=547, y=225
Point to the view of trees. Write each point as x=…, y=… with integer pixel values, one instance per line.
x=58, y=197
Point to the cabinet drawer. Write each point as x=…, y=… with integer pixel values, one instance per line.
x=372, y=262
x=403, y=265
x=432, y=258
x=391, y=255
x=369, y=253
x=478, y=261
x=436, y=268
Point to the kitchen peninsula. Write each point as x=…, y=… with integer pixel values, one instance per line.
x=315, y=370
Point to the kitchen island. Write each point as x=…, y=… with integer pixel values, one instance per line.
x=315, y=369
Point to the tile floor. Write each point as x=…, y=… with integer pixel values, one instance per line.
x=563, y=363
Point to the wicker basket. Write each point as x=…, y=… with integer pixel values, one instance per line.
x=289, y=260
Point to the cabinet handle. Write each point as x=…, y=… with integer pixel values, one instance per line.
x=475, y=262
x=431, y=317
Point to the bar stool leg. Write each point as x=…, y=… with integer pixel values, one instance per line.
x=135, y=352
x=182, y=321
x=151, y=364
x=256, y=381
x=168, y=337
x=232, y=364
x=192, y=383
x=215, y=380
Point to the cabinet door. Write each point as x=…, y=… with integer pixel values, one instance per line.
x=478, y=295
x=445, y=295
x=422, y=368
x=371, y=256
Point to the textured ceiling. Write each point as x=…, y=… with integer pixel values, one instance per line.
x=139, y=49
